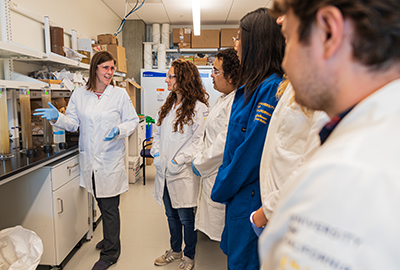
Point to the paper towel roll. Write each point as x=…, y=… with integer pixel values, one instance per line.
x=148, y=55
x=165, y=35
x=156, y=35
x=161, y=54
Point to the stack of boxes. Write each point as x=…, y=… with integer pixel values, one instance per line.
x=208, y=39
x=108, y=42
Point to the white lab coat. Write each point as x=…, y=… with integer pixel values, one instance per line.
x=210, y=215
x=342, y=212
x=182, y=184
x=95, y=118
x=292, y=138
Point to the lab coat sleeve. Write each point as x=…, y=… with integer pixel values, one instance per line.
x=129, y=118
x=207, y=162
x=186, y=155
x=312, y=144
x=69, y=121
x=155, y=148
x=245, y=164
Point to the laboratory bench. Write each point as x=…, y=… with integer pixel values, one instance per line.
x=21, y=164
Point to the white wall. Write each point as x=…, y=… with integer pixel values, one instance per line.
x=88, y=17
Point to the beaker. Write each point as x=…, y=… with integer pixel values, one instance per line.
x=47, y=128
x=26, y=128
x=4, y=131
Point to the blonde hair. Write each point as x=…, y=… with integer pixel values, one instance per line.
x=281, y=89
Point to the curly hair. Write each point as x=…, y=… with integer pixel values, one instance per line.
x=230, y=64
x=376, y=38
x=189, y=85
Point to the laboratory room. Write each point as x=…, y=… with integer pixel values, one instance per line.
x=199, y=134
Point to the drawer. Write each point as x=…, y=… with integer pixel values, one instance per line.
x=65, y=171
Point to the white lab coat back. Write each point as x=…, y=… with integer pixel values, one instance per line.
x=210, y=215
x=95, y=118
x=342, y=210
x=291, y=140
x=182, y=184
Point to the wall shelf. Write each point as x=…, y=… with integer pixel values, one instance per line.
x=15, y=50
x=55, y=60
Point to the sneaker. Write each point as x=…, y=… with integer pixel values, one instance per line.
x=101, y=265
x=169, y=256
x=100, y=245
x=186, y=264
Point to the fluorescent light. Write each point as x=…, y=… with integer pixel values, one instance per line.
x=196, y=17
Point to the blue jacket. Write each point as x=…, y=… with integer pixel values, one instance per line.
x=237, y=184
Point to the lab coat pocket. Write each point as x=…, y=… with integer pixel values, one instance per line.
x=109, y=120
x=237, y=135
x=113, y=161
x=176, y=169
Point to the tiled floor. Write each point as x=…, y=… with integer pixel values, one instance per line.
x=144, y=236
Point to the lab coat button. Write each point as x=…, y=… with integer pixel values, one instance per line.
x=252, y=193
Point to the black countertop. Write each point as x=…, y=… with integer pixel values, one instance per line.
x=20, y=162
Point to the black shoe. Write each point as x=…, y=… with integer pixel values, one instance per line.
x=101, y=265
x=100, y=245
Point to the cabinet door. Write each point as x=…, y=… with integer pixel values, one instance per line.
x=70, y=217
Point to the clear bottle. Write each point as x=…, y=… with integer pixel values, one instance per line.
x=4, y=131
x=26, y=128
x=47, y=128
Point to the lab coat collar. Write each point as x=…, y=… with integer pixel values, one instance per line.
x=106, y=92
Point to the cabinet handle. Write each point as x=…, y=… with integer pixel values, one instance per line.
x=70, y=167
x=73, y=166
x=62, y=205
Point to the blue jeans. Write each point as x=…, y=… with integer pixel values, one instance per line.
x=177, y=218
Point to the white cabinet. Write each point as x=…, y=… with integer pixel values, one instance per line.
x=50, y=202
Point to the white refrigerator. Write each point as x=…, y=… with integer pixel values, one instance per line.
x=156, y=92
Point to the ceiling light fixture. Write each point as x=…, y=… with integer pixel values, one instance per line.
x=196, y=17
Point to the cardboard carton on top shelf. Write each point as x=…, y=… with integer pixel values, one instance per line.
x=226, y=37
x=117, y=51
x=207, y=39
x=183, y=45
x=107, y=39
x=181, y=35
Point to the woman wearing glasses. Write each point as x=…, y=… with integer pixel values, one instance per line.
x=104, y=115
x=260, y=47
x=180, y=126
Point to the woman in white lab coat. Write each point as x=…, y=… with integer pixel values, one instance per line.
x=104, y=115
x=210, y=215
x=179, y=128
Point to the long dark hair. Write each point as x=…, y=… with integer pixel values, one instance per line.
x=263, y=47
x=189, y=84
x=98, y=58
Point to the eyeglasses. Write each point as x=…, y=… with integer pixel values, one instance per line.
x=235, y=40
x=107, y=68
x=216, y=72
x=170, y=76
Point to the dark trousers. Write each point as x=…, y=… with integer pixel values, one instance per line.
x=176, y=219
x=109, y=208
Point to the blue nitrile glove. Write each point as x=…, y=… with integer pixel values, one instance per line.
x=256, y=230
x=156, y=155
x=173, y=162
x=195, y=171
x=48, y=113
x=114, y=132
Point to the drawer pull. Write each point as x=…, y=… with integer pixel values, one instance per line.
x=71, y=167
x=62, y=205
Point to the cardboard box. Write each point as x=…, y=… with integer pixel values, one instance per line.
x=226, y=37
x=207, y=39
x=183, y=45
x=117, y=51
x=87, y=54
x=181, y=35
x=107, y=39
x=50, y=81
x=187, y=57
x=133, y=90
x=200, y=61
x=134, y=169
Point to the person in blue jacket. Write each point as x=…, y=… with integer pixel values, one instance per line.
x=260, y=47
